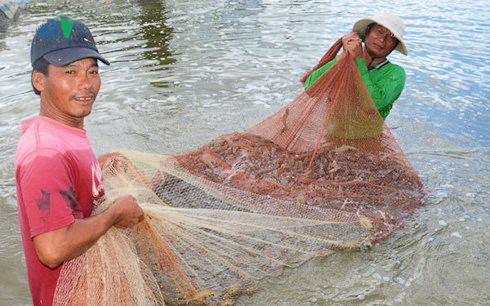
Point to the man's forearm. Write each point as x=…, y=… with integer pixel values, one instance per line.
x=55, y=247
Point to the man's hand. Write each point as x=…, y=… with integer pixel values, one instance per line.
x=127, y=212
x=353, y=44
x=57, y=246
x=104, y=158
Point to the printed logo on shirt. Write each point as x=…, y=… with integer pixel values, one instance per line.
x=97, y=186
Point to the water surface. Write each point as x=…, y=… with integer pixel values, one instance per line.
x=184, y=72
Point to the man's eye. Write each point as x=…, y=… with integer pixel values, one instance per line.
x=94, y=72
x=70, y=71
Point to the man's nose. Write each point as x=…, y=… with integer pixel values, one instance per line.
x=84, y=81
x=383, y=37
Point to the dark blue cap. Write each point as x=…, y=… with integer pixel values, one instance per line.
x=61, y=41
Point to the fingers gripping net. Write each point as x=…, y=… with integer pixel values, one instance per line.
x=322, y=174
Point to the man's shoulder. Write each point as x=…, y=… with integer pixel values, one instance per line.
x=36, y=134
x=39, y=138
x=394, y=67
x=394, y=70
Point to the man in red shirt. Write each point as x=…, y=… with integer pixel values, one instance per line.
x=58, y=177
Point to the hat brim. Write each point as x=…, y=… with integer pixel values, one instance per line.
x=361, y=27
x=64, y=57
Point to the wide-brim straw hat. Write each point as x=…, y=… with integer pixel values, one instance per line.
x=393, y=23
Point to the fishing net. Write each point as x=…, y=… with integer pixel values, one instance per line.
x=322, y=174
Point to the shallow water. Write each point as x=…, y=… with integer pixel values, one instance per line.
x=184, y=72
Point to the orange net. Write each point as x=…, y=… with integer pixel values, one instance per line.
x=323, y=173
x=328, y=147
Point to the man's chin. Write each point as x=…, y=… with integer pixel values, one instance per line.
x=375, y=55
x=83, y=114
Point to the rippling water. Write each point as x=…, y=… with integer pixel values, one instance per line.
x=184, y=72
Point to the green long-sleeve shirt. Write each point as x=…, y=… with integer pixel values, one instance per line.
x=384, y=82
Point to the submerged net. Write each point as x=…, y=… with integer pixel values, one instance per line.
x=322, y=174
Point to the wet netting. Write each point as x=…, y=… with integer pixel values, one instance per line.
x=322, y=174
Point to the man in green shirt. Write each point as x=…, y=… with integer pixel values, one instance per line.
x=381, y=35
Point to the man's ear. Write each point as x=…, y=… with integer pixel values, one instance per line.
x=38, y=79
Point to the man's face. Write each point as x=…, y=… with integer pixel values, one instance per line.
x=68, y=93
x=380, y=42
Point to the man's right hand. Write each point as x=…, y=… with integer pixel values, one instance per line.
x=127, y=212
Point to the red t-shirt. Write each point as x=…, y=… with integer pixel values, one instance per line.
x=58, y=180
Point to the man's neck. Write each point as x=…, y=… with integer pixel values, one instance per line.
x=76, y=123
x=49, y=109
x=375, y=62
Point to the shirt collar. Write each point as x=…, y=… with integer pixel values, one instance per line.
x=378, y=66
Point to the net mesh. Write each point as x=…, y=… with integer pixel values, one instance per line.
x=322, y=174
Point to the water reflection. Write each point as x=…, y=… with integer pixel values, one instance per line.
x=10, y=12
x=154, y=28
